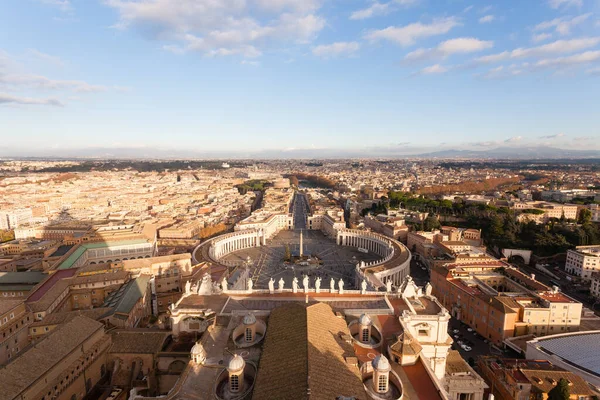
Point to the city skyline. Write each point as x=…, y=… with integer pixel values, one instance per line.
x=285, y=76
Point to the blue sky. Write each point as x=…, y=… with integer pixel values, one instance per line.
x=246, y=75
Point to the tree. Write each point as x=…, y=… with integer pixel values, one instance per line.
x=560, y=391
x=585, y=216
x=431, y=223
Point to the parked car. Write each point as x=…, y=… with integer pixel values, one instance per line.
x=470, y=329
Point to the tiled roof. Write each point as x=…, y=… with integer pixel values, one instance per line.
x=544, y=381
x=304, y=354
x=283, y=366
x=39, y=359
x=137, y=342
x=62, y=317
x=7, y=305
x=25, y=277
x=124, y=299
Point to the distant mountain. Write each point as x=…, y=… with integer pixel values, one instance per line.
x=382, y=151
x=520, y=153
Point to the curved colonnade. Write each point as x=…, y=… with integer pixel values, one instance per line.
x=394, y=265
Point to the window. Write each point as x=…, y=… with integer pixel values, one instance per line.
x=365, y=335
x=382, y=383
x=248, y=334
x=234, y=383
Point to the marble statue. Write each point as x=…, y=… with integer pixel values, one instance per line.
x=271, y=285
x=363, y=287
x=205, y=287
x=305, y=283
x=224, y=284
x=318, y=285
x=428, y=289
x=332, y=285
x=281, y=284
x=388, y=286
x=250, y=284
x=188, y=287
x=295, y=285
x=341, y=286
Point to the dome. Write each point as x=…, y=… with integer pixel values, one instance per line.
x=249, y=319
x=381, y=363
x=198, y=350
x=236, y=363
x=365, y=320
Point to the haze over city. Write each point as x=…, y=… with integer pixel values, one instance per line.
x=290, y=77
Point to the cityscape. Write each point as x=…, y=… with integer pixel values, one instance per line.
x=300, y=200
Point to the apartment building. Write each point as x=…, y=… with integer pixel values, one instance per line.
x=550, y=210
x=65, y=365
x=389, y=226
x=595, y=285
x=583, y=261
x=14, y=320
x=513, y=379
x=500, y=302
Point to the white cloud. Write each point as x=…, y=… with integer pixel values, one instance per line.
x=557, y=47
x=336, y=49
x=486, y=19
x=42, y=82
x=562, y=25
x=221, y=27
x=434, y=69
x=409, y=34
x=513, y=139
x=15, y=80
x=593, y=71
x=295, y=5
x=378, y=8
x=449, y=47
x=566, y=3
x=46, y=57
x=541, y=37
x=556, y=136
x=582, y=58
x=7, y=99
x=374, y=10
x=502, y=72
x=63, y=5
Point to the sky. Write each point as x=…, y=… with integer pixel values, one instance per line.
x=281, y=75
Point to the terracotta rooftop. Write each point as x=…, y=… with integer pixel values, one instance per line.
x=137, y=342
x=38, y=360
x=304, y=354
x=62, y=317
x=420, y=380
x=7, y=305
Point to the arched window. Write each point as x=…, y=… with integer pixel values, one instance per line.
x=234, y=383
x=382, y=384
x=365, y=335
x=248, y=334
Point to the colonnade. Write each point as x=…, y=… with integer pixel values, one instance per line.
x=373, y=242
x=395, y=256
x=225, y=244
